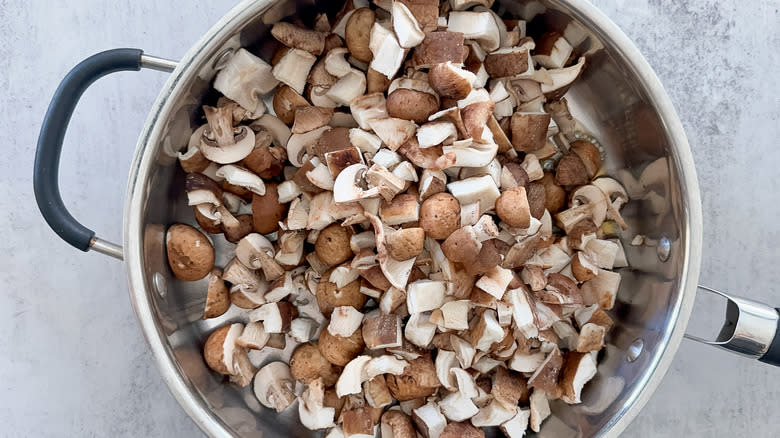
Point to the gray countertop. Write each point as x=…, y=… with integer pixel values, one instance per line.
x=75, y=363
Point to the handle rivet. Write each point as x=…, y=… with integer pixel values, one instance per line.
x=635, y=349
x=160, y=285
x=222, y=59
x=664, y=248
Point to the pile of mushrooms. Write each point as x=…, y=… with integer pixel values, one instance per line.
x=416, y=210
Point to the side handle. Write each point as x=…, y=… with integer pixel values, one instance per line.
x=751, y=329
x=55, y=124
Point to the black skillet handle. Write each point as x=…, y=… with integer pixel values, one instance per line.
x=55, y=124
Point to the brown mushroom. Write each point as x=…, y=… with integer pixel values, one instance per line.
x=332, y=245
x=440, y=216
x=308, y=364
x=407, y=104
x=405, y=243
x=299, y=38
x=190, y=254
x=339, y=350
x=330, y=297
x=418, y=380
x=218, y=296
x=267, y=211
x=512, y=207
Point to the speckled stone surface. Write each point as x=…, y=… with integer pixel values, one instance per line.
x=75, y=363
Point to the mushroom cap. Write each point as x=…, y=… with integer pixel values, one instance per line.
x=298, y=37
x=357, y=33
x=529, y=130
x=250, y=249
x=589, y=154
x=405, y=243
x=440, y=47
x=286, y=101
x=267, y=162
x=462, y=245
x=555, y=195
x=218, y=296
x=339, y=350
x=267, y=211
x=571, y=171
x=462, y=430
x=440, y=216
x=308, y=364
x=414, y=105
x=329, y=296
x=213, y=350
x=512, y=208
x=397, y=424
x=211, y=226
x=419, y=379
x=332, y=245
x=190, y=254
x=451, y=81
x=536, y=199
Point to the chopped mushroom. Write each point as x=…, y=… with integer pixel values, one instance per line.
x=425, y=213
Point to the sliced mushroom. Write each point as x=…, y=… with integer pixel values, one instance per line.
x=405, y=25
x=221, y=143
x=479, y=26
x=257, y=252
x=293, y=68
x=243, y=79
x=274, y=386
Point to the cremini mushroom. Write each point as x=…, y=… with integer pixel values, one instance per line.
x=221, y=142
x=274, y=386
x=190, y=253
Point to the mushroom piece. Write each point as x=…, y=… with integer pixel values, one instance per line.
x=241, y=177
x=357, y=33
x=440, y=215
x=220, y=348
x=452, y=315
x=540, y=409
x=552, y=50
x=592, y=314
x=348, y=87
x=494, y=414
x=349, y=185
x=451, y=81
x=387, y=51
x=526, y=362
x=405, y=25
x=382, y=331
x=366, y=108
x=529, y=131
x=439, y=47
x=425, y=295
x=464, y=351
x=405, y=244
x=218, y=296
x=221, y=143
x=419, y=330
x=243, y=79
x=562, y=79
x=578, y=370
x=510, y=62
x=478, y=188
x=299, y=38
x=253, y=337
x=461, y=430
x=344, y=321
x=311, y=410
x=546, y=376
x=352, y=377
x=396, y=424
x=458, y=407
x=274, y=386
x=602, y=289
x=495, y=281
x=248, y=287
x=190, y=254
x=402, y=209
x=513, y=209
x=486, y=331
x=591, y=338
x=479, y=26
x=523, y=312
x=436, y=133
x=429, y=420
x=293, y=68
x=257, y=252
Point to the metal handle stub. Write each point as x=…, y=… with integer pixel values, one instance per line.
x=749, y=329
